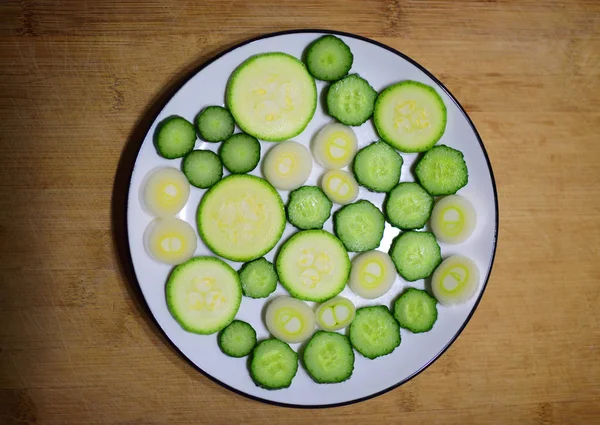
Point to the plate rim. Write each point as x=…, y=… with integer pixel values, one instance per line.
x=191, y=74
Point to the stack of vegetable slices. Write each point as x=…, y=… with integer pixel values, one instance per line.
x=242, y=217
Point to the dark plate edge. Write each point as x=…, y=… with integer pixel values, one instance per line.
x=496, y=230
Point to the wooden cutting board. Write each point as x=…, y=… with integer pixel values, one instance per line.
x=79, y=82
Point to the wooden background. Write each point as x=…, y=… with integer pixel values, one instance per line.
x=79, y=82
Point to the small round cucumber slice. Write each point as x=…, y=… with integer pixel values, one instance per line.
x=408, y=206
x=240, y=153
x=416, y=310
x=202, y=168
x=442, y=171
x=215, y=124
x=241, y=218
x=415, y=255
x=273, y=364
x=174, y=137
x=334, y=146
x=377, y=167
x=258, y=278
x=328, y=357
x=359, y=226
x=308, y=208
x=272, y=96
x=351, y=100
x=287, y=166
x=374, y=332
x=203, y=294
x=328, y=58
x=372, y=275
x=170, y=240
x=455, y=281
x=313, y=265
x=164, y=191
x=339, y=186
x=290, y=320
x=410, y=116
x=453, y=219
x=335, y=314
x=238, y=339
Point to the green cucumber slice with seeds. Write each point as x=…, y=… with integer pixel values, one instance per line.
x=377, y=167
x=410, y=116
x=416, y=310
x=240, y=153
x=214, y=124
x=351, y=100
x=272, y=96
x=374, y=332
x=203, y=294
x=328, y=357
x=238, y=339
x=258, y=278
x=359, y=226
x=241, y=218
x=174, y=137
x=273, y=364
x=313, y=265
x=442, y=171
x=308, y=208
x=328, y=58
x=408, y=206
x=415, y=255
x=202, y=168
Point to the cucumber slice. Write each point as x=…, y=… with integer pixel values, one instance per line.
x=272, y=96
x=377, y=167
x=455, y=281
x=351, y=100
x=202, y=168
x=258, y=278
x=328, y=357
x=287, y=166
x=408, y=206
x=416, y=310
x=238, y=339
x=335, y=314
x=308, y=208
x=453, y=219
x=174, y=137
x=334, y=146
x=290, y=320
x=410, y=116
x=374, y=332
x=339, y=186
x=170, y=240
x=240, y=153
x=328, y=58
x=359, y=226
x=273, y=364
x=164, y=191
x=372, y=274
x=215, y=124
x=415, y=255
x=241, y=218
x=203, y=294
x=313, y=265
x=442, y=171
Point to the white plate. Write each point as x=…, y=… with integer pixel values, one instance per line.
x=381, y=66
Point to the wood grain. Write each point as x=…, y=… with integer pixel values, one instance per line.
x=79, y=82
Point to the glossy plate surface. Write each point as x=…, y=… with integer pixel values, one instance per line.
x=381, y=66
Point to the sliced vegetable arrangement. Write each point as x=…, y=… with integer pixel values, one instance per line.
x=272, y=97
